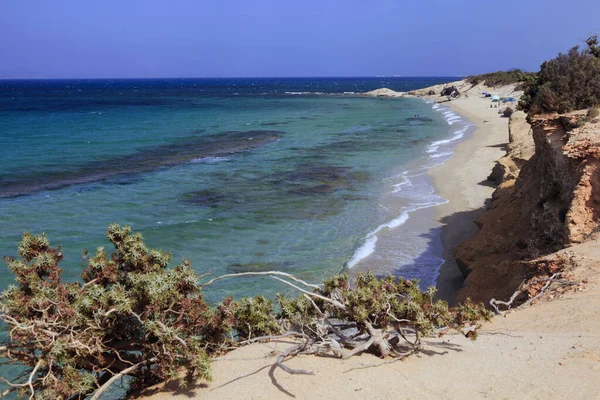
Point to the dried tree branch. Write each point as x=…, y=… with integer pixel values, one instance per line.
x=263, y=273
x=292, y=351
x=548, y=281
x=318, y=296
x=274, y=337
x=118, y=375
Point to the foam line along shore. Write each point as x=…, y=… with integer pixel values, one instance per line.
x=409, y=243
x=462, y=180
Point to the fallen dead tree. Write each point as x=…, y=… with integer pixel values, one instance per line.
x=387, y=317
x=131, y=317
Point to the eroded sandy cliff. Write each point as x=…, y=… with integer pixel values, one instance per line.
x=542, y=205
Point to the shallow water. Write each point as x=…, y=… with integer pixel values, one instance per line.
x=236, y=175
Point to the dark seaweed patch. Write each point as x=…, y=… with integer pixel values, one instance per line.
x=307, y=192
x=258, y=266
x=144, y=160
x=419, y=119
x=274, y=123
x=209, y=197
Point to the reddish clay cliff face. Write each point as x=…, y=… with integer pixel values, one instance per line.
x=551, y=203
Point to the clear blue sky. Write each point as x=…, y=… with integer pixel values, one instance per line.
x=227, y=38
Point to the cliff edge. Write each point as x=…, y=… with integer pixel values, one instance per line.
x=542, y=205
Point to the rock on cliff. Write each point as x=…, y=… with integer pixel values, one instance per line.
x=519, y=150
x=552, y=202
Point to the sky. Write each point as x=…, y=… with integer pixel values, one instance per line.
x=285, y=38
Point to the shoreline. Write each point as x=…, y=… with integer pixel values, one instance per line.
x=416, y=226
x=462, y=180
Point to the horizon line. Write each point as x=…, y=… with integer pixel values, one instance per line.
x=235, y=77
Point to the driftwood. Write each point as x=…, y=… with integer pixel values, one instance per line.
x=495, y=304
x=325, y=333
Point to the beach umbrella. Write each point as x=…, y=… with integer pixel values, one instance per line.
x=495, y=98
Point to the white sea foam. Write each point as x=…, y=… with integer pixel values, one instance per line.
x=364, y=251
x=209, y=160
x=435, y=145
x=368, y=247
x=396, y=222
x=438, y=155
x=405, y=182
x=417, y=194
x=370, y=244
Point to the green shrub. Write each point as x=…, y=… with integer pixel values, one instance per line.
x=499, y=78
x=568, y=82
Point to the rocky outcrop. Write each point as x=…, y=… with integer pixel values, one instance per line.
x=519, y=150
x=543, y=205
x=451, y=91
x=383, y=92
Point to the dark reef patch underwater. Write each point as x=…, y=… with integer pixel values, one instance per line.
x=143, y=160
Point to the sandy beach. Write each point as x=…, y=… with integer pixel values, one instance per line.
x=549, y=350
x=462, y=180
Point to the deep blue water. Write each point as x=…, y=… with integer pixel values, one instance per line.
x=298, y=175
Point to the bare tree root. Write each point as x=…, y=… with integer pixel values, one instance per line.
x=548, y=281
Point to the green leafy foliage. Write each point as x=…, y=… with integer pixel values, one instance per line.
x=500, y=78
x=129, y=310
x=385, y=301
x=254, y=316
x=568, y=82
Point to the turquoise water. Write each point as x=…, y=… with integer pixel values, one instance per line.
x=235, y=175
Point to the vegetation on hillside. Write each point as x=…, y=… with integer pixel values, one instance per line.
x=500, y=78
x=133, y=316
x=568, y=82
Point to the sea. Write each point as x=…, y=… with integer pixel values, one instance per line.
x=300, y=175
